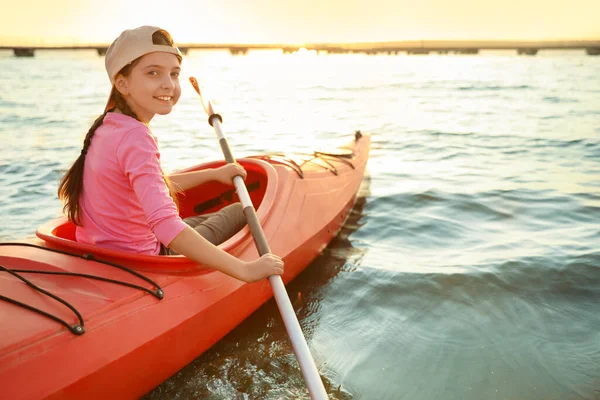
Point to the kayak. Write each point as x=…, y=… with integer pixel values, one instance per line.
x=80, y=321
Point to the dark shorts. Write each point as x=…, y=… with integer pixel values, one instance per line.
x=215, y=227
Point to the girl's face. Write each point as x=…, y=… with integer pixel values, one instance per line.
x=152, y=87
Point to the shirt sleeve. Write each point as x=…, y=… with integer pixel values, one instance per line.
x=139, y=158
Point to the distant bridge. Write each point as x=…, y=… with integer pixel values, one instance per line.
x=592, y=47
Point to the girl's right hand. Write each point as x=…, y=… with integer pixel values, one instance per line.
x=269, y=264
x=227, y=172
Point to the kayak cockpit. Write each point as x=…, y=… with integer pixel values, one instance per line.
x=210, y=197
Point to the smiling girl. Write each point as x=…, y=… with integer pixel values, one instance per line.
x=116, y=192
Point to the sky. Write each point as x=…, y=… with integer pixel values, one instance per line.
x=72, y=22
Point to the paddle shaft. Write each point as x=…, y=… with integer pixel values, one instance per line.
x=307, y=364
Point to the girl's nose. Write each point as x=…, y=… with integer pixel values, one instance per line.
x=168, y=83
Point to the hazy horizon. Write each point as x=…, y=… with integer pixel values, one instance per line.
x=85, y=22
x=595, y=41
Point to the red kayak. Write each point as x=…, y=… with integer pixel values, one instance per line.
x=82, y=322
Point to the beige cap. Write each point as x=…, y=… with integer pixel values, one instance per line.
x=130, y=45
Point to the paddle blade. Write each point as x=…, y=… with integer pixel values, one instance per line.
x=208, y=108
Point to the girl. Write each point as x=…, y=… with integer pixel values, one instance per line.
x=116, y=192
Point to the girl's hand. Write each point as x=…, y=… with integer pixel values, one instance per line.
x=227, y=172
x=269, y=264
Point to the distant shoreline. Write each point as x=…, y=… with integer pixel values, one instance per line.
x=413, y=47
x=407, y=44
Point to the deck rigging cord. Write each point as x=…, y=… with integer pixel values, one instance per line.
x=77, y=329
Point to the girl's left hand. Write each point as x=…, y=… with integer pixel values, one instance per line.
x=227, y=172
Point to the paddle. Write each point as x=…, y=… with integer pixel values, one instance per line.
x=307, y=365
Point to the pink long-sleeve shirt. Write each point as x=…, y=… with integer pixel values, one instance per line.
x=125, y=204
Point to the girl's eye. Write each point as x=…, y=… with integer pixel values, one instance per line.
x=153, y=73
x=175, y=74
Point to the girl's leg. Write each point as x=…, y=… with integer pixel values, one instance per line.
x=215, y=227
x=220, y=226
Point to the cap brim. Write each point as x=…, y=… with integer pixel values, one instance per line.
x=110, y=104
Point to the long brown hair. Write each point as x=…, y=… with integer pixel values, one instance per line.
x=71, y=185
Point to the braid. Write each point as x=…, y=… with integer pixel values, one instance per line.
x=88, y=137
x=71, y=185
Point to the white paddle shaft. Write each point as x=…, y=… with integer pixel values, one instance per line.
x=307, y=364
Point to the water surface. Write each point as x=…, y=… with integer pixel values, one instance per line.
x=470, y=267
